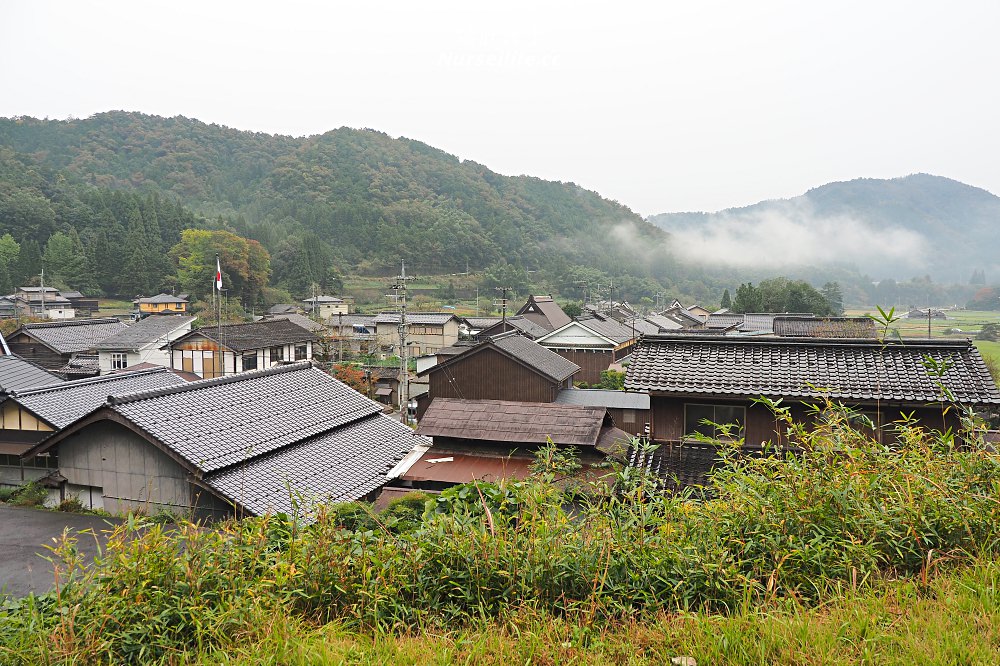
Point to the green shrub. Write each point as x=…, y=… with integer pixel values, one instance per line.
x=30, y=494
x=71, y=505
x=405, y=514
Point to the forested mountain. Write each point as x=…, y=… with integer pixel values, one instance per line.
x=919, y=225
x=347, y=200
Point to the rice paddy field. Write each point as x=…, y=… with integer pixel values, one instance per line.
x=958, y=325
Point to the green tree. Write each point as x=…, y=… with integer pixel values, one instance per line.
x=727, y=301
x=748, y=299
x=246, y=265
x=834, y=298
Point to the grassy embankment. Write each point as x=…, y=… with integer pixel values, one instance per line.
x=848, y=553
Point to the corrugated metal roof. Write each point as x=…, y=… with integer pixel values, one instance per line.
x=603, y=398
x=448, y=467
x=835, y=368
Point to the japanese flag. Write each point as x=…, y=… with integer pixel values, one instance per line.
x=218, y=274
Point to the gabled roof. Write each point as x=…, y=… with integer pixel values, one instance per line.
x=516, y=422
x=480, y=323
x=603, y=398
x=150, y=330
x=299, y=320
x=663, y=323
x=840, y=369
x=518, y=323
x=264, y=439
x=255, y=335
x=74, y=335
x=17, y=374
x=162, y=298
x=545, y=312
x=519, y=348
x=61, y=404
x=829, y=327
x=432, y=318
x=282, y=308
x=323, y=299
x=367, y=321
x=590, y=333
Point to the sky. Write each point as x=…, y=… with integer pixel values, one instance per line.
x=664, y=107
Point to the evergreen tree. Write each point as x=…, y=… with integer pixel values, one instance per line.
x=29, y=264
x=748, y=299
x=834, y=298
x=727, y=301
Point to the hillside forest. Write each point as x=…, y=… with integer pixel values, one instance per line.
x=125, y=204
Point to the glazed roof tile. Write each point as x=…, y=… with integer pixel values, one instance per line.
x=17, y=374
x=74, y=335
x=858, y=369
x=63, y=403
x=146, y=331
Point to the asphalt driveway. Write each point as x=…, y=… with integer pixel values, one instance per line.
x=24, y=535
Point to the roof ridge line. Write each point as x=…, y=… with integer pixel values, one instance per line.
x=71, y=322
x=114, y=400
x=86, y=381
x=962, y=343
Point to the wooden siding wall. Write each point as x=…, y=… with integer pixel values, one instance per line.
x=761, y=426
x=632, y=421
x=592, y=362
x=489, y=375
x=36, y=352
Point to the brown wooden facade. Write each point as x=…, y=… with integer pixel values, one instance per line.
x=30, y=349
x=489, y=375
x=671, y=421
x=593, y=361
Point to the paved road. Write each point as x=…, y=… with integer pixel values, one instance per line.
x=24, y=533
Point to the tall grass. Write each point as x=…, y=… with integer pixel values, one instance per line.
x=839, y=514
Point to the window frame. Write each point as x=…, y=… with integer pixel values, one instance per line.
x=689, y=433
x=119, y=360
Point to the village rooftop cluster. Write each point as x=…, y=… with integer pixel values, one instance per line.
x=152, y=415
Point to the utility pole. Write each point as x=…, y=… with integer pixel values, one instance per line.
x=42, y=283
x=502, y=304
x=399, y=294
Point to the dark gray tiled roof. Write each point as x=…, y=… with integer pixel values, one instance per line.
x=530, y=352
x=341, y=465
x=831, y=327
x=81, y=365
x=74, y=335
x=603, y=398
x=724, y=320
x=282, y=308
x=839, y=369
x=64, y=403
x=16, y=374
x=146, y=331
x=351, y=320
x=163, y=298
x=517, y=323
x=612, y=329
x=479, y=323
x=545, y=312
x=255, y=335
x=216, y=423
x=301, y=321
x=438, y=318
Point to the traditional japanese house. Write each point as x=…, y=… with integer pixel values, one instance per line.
x=629, y=410
x=545, y=312
x=488, y=440
x=216, y=351
x=593, y=344
x=426, y=332
x=509, y=367
x=143, y=342
x=269, y=441
x=519, y=324
x=55, y=345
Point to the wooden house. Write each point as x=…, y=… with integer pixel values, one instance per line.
x=519, y=324
x=217, y=351
x=545, y=312
x=270, y=441
x=488, y=440
x=629, y=410
x=84, y=306
x=162, y=304
x=691, y=379
x=34, y=404
x=57, y=346
x=143, y=342
x=509, y=367
x=45, y=302
x=593, y=344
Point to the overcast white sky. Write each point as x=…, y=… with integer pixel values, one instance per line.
x=669, y=106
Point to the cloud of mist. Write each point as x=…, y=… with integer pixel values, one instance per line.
x=793, y=235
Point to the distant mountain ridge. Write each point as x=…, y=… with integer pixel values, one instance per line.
x=913, y=225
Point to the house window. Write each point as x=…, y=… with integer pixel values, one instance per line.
x=696, y=415
x=119, y=360
x=301, y=351
x=249, y=362
x=275, y=354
